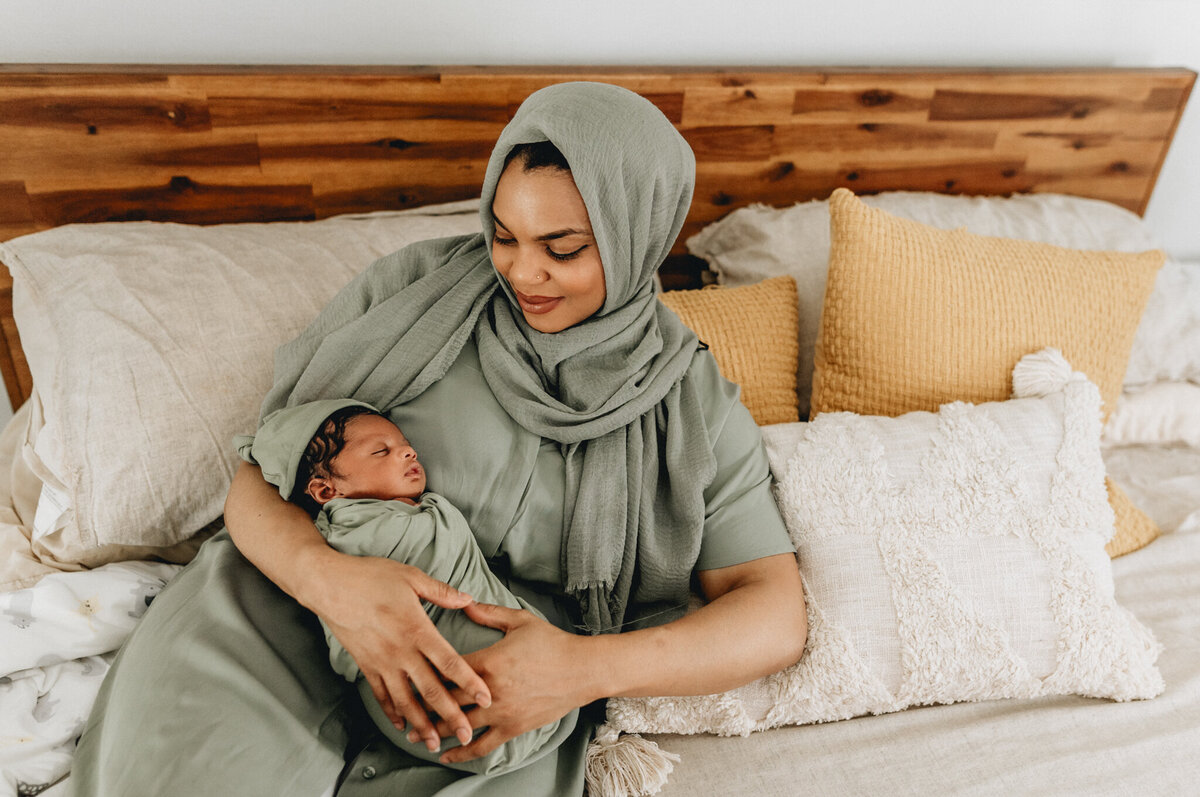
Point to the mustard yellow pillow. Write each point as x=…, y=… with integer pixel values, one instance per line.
x=752, y=332
x=915, y=317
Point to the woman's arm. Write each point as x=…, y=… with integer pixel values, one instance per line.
x=754, y=624
x=372, y=605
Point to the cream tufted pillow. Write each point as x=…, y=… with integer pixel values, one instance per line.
x=946, y=557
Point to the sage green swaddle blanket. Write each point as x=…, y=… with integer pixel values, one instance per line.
x=432, y=536
x=612, y=391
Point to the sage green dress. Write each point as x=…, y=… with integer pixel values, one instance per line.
x=225, y=687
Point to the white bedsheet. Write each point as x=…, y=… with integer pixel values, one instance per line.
x=57, y=640
x=1060, y=746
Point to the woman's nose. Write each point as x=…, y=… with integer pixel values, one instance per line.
x=524, y=271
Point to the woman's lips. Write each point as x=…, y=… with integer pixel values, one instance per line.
x=537, y=304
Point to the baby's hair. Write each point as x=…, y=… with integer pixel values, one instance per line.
x=322, y=449
x=538, y=155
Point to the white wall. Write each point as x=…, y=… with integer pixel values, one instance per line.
x=610, y=32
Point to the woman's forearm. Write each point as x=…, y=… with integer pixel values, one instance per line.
x=278, y=537
x=755, y=624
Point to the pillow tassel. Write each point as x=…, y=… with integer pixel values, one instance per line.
x=1039, y=374
x=626, y=765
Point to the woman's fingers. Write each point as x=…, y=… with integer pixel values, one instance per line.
x=499, y=617
x=486, y=743
x=428, y=686
x=384, y=698
x=437, y=592
x=380, y=621
x=454, y=668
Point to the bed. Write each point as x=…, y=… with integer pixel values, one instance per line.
x=207, y=192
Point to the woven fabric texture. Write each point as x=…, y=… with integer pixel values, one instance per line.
x=915, y=317
x=752, y=332
x=946, y=557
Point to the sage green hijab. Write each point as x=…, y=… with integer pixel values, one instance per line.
x=612, y=390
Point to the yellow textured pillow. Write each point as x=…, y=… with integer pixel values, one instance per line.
x=752, y=332
x=915, y=317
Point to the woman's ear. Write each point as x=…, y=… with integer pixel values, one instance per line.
x=321, y=490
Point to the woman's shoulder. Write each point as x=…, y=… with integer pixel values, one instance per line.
x=718, y=396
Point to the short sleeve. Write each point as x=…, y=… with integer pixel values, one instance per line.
x=742, y=521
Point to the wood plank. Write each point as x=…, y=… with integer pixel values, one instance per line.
x=95, y=113
x=362, y=187
x=949, y=105
x=259, y=111
x=14, y=204
x=422, y=140
x=743, y=104
x=879, y=102
x=730, y=142
x=180, y=199
x=13, y=366
x=881, y=138
x=62, y=158
x=396, y=196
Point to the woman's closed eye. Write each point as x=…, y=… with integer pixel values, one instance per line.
x=565, y=255
x=560, y=256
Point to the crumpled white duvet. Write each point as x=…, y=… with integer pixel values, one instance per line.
x=57, y=640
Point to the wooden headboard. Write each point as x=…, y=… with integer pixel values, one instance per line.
x=227, y=144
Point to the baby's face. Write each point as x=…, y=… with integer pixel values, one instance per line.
x=377, y=462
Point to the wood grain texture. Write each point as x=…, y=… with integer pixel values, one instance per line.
x=212, y=144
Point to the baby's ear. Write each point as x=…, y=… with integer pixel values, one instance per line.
x=320, y=490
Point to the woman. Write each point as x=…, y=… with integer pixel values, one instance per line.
x=589, y=440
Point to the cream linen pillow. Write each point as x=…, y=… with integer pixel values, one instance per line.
x=946, y=557
x=1161, y=413
x=152, y=344
x=915, y=316
x=1167, y=344
x=751, y=331
x=758, y=242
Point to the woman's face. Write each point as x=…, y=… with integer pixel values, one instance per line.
x=545, y=248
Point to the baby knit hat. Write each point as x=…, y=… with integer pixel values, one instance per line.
x=279, y=444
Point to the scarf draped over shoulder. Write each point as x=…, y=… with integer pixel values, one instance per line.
x=612, y=390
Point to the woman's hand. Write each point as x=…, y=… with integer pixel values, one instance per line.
x=372, y=605
x=754, y=624
x=537, y=674
x=375, y=611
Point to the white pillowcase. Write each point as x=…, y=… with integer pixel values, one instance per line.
x=1161, y=413
x=151, y=345
x=956, y=556
x=1167, y=344
x=757, y=242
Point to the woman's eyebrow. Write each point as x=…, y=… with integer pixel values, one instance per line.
x=550, y=236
